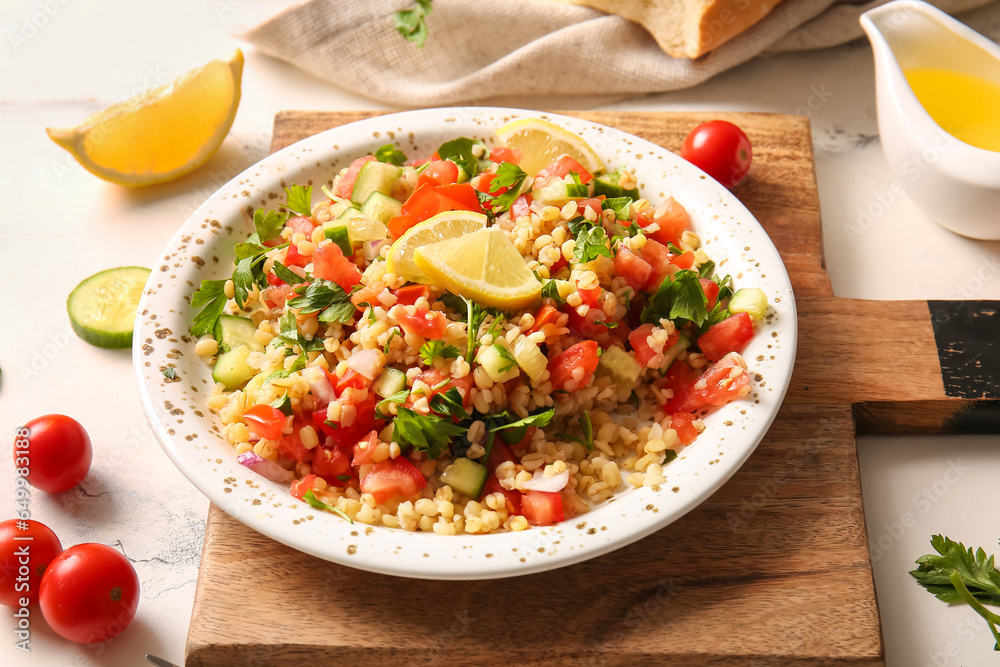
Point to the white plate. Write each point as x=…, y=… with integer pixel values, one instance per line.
x=203, y=249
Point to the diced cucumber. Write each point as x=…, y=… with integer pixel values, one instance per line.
x=749, y=300
x=231, y=331
x=607, y=185
x=389, y=382
x=284, y=404
x=232, y=369
x=671, y=353
x=339, y=235
x=374, y=177
x=620, y=366
x=529, y=357
x=465, y=476
x=348, y=212
x=463, y=175
x=500, y=366
x=381, y=207
x=560, y=193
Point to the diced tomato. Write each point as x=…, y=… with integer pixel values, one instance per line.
x=658, y=257
x=276, y=296
x=346, y=184
x=520, y=448
x=332, y=464
x=685, y=260
x=637, y=339
x=423, y=203
x=433, y=377
x=541, y=508
x=392, y=478
x=730, y=335
x=364, y=448
x=426, y=323
x=351, y=379
x=672, y=222
x=558, y=266
x=301, y=224
x=329, y=263
x=711, y=290
x=408, y=294
x=294, y=258
x=522, y=207
x=290, y=446
x=634, y=269
x=682, y=423
x=590, y=296
x=364, y=420
x=582, y=355
x=274, y=281
x=512, y=496
x=265, y=421
x=367, y=294
x=400, y=224
x=725, y=380
x=680, y=379
x=592, y=203
x=442, y=171
x=459, y=197
x=585, y=326
x=545, y=315
x=500, y=453
x=484, y=182
x=561, y=167
x=300, y=486
x=503, y=154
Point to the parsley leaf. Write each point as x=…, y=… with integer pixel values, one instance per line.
x=620, y=205
x=475, y=316
x=326, y=296
x=516, y=430
x=588, y=432
x=430, y=434
x=460, y=152
x=957, y=574
x=392, y=334
x=169, y=373
x=449, y=404
x=508, y=358
x=550, y=290
x=591, y=244
x=299, y=199
x=508, y=176
x=679, y=296
x=398, y=398
x=391, y=155
x=433, y=349
x=211, y=298
x=705, y=270
x=411, y=23
x=310, y=498
x=249, y=268
x=288, y=332
x=268, y=225
x=287, y=274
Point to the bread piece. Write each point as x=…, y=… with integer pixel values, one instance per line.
x=688, y=28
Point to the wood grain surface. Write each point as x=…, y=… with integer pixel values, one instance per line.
x=772, y=570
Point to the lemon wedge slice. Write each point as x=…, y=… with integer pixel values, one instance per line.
x=443, y=226
x=541, y=142
x=483, y=266
x=161, y=133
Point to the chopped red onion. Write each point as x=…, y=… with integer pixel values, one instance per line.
x=265, y=468
x=551, y=484
x=367, y=362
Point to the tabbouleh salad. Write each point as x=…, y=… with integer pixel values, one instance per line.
x=467, y=343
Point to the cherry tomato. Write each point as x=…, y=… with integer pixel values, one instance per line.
x=58, y=452
x=721, y=150
x=89, y=593
x=25, y=553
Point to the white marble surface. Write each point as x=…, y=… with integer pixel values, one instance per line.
x=62, y=59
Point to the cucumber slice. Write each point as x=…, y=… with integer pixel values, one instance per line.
x=231, y=331
x=607, y=185
x=620, y=366
x=339, y=235
x=465, y=476
x=374, y=177
x=348, y=212
x=389, y=382
x=749, y=300
x=103, y=307
x=560, y=193
x=499, y=365
x=232, y=369
x=381, y=207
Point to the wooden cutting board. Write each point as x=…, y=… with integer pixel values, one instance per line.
x=773, y=569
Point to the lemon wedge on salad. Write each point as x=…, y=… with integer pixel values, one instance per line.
x=443, y=226
x=162, y=133
x=541, y=142
x=483, y=266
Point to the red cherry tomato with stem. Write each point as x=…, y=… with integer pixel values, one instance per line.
x=89, y=593
x=26, y=549
x=55, y=452
x=720, y=149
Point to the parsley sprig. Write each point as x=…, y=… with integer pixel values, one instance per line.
x=391, y=155
x=430, y=434
x=433, y=349
x=959, y=574
x=510, y=176
x=312, y=500
x=328, y=297
x=412, y=23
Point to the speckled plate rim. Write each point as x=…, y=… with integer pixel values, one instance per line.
x=203, y=249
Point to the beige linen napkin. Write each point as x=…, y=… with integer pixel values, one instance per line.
x=477, y=50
